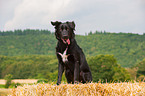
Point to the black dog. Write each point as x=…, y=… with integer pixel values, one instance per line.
x=70, y=56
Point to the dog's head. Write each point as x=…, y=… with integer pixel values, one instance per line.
x=64, y=31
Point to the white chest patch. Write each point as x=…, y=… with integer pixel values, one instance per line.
x=64, y=56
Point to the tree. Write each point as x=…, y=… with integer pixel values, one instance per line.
x=8, y=79
x=105, y=68
x=141, y=68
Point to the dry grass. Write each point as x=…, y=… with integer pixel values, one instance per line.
x=5, y=92
x=2, y=81
x=91, y=89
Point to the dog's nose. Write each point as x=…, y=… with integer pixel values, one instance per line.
x=65, y=34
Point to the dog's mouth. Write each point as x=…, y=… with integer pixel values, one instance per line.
x=66, y=41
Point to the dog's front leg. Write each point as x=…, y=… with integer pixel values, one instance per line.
x=60, y=72
x=76, y=72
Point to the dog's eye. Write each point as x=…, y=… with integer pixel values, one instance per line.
x=66, y=28
x=61, y=28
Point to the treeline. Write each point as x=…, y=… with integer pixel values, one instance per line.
x=129, y=49
x=103, y=67
x=27, y=42
x=24, y=32
x=28, y=66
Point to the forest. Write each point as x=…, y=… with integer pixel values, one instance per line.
x=31, y=54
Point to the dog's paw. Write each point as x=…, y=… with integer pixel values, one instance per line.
x=57, y=83
x=76, y=82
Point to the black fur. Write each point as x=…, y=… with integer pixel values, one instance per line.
x=76, y=69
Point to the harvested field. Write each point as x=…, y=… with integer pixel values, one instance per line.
x=5, y=92
x=2, y=81
x=90, y=89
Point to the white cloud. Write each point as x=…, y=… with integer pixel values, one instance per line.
x=37, y=13
x=109, y=15
x=115, y=16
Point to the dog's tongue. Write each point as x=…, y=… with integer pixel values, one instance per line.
x=68, y=41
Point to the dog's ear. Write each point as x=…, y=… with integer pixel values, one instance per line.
x=71, y=24
x=55, y=23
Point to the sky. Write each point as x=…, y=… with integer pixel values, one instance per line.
x=126, y=16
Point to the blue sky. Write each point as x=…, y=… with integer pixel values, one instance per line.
x=89, y=15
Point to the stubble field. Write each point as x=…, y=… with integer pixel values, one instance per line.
x=90, y=89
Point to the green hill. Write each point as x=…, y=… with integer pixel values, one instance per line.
x=129, y=49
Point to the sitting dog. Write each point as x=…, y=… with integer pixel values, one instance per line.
x=70, y=56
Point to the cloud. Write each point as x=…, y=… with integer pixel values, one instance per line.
x=89, y=15
x=37, y=13
x=7, y=8
x=115, y=16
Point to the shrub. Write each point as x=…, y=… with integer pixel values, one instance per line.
x=106, y=69
x=8, y=79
